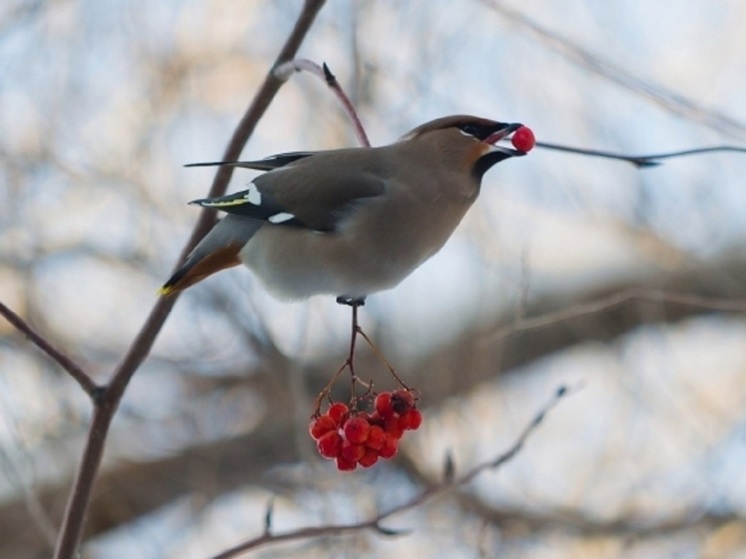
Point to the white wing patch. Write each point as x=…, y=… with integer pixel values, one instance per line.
x=281, y=217
x=254, y=196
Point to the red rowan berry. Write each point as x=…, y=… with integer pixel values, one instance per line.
x=375, y=419
x=344, y=465
x=356, y=430
x=329, y=444
x=402, y=401
x=383, y=405
x=375, y=437
x=338, y=412
x=393, y=428
x=411, y=420
x=351, y=451
x=523, y=139
x=389, y=447
x=321, y=425
x=369, y=458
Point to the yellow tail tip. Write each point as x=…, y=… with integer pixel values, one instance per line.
x=166, y=290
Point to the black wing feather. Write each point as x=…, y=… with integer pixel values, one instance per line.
x=266, y=164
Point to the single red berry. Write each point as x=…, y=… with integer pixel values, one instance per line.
x=375, y=437
x=383, y=405
x=389, y=447
x=402, y=401
x=364, y=415
x=411, y=420
x=329, y=444
x=523, y=139
x=321, y=425
x=351, y=451
x=375, y=419
x=338, y=412
x=356, y=430
x=344, y=465
x=369, y=458
x=393, y=427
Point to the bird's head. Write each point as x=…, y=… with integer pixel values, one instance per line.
x=470, y=140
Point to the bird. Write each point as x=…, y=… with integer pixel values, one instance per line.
x=350, y=222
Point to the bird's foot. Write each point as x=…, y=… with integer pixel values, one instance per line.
x=351, y=301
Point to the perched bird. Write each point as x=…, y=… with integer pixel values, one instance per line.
x=350, y=222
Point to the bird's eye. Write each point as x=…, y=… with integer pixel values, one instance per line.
x=470, y=129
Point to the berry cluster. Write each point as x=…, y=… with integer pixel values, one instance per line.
x=358, y=437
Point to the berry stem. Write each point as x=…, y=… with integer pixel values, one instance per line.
x=382, y=358
x=327, y=389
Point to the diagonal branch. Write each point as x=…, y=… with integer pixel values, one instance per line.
x=80, y=496
x=670, y=100
x=611, y=301
x=75, y=371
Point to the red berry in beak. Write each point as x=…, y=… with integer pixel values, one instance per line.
x=523, y=139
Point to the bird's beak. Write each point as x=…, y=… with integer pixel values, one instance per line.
x=503, y=133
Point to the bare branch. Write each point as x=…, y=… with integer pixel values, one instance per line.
x=85, y=381
x=641, y=161
x=425, y=496
x=615, y=300
x=575, y=53
x=284, y=71
x=73, y=522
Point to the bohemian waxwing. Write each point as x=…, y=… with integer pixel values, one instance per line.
x=349, y=222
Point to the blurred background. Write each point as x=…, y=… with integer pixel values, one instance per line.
x=569, y=270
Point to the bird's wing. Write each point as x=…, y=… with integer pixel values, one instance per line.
x=266, y=164
x=310, y=193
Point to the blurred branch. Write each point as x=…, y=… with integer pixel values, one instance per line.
x=640, y=160
x=615, y=300
x=73, y=521
x=479, y=355
x=85, y=382
x=523, y=520
x=375, y=523
x=669, y=100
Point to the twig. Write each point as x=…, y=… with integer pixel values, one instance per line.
x=80, y=495
x=575, y=53
x=382, y=358
x=74, y=370
x=284, y=71
x=641, y=161
x=615, y=300
x=431, y=492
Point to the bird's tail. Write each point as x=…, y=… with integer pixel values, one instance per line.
x=218, y=250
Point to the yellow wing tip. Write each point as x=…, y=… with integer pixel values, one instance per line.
x=226, y=204
x=166, y=290
x=217, y=204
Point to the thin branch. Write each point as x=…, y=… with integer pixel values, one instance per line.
x=641, y=161
x=80, y=496
x=283, y=71
x=428, y=494
x=668, y=99
x=74, y=370
x=615, y=300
